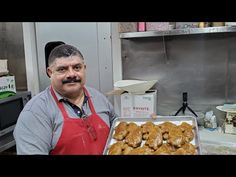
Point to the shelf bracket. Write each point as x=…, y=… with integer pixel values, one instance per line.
x=165, y=50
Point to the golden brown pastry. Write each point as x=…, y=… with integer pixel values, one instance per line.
x=130, y=137
x=132, y=126
x=154, y=138
x=121, y=131
x=165, y=149
x=147, y=128
x=179, y=151
x=185, y=126
x=127, y=149
x=187, y=130
x=190, y=149
x=175, y=137
x=116, y=148
x=186, y=149
x=165, y=128
x=144, y=150
x=188, y=135
x=134, y=138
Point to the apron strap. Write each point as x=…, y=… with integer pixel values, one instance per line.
x=90, y=101
x=59, y=104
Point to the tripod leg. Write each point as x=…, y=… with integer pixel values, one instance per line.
x=184, y=108
x=192, y=111
x=178, y=111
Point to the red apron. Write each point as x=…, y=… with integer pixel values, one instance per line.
x=81, y=135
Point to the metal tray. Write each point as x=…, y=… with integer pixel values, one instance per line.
x=174, y=119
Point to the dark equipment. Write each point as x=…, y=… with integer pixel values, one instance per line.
x=48, y=48
x=185, y=105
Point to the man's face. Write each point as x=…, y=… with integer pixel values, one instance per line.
x=67, y=75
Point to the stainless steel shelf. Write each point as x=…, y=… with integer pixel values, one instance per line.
x=187, y=31
x=7, y=141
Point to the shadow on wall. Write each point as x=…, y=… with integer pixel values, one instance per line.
x=48, y=48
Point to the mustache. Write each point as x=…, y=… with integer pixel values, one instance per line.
x=71, y=80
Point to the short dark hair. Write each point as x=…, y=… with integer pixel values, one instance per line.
x=48, y=48
x=64, y=50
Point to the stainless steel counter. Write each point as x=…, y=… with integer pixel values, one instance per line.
x=217, y=143
x=213, y=148
x=10, y=109
x=7, y=141
x=175, y=32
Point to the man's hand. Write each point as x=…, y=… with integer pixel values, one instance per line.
x=153, y=116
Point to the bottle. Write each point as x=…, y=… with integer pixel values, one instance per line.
x=214, y=24
x=141, y=26
x=213, y=122
x=207, y=24
x=201, y=24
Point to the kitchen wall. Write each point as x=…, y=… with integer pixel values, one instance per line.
x=204, y=65
x=12, y=48
x=93, y=40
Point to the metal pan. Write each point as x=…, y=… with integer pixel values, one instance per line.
x=174, y=119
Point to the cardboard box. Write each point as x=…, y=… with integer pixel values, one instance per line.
x=157, y=26
x=3, y=67
x=7, y=83
x=138, y=106
x=127, y=27
x=182, y=25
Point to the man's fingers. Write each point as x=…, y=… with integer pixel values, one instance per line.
x=153, y=116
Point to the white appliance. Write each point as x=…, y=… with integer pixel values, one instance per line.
x=229, y=125
x=135, y=86
x=230, y=23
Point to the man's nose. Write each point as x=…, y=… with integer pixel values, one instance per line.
x=71, y=72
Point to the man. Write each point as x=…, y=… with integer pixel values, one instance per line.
x=67, y=117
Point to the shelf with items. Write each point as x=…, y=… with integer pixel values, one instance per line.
x=185, y=31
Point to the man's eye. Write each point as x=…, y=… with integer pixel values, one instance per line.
x=61, y=69
x=77, y=68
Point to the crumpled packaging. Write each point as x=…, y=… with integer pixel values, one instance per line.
x=3, y=67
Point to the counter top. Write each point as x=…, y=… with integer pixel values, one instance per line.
x=217, y=143
x=212, y=142
x=7, y=141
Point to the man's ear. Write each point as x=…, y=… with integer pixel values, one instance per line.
x=84, y=66
x=49, y=71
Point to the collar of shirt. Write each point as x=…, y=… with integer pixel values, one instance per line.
x=66, y=100
x=76, y=109
x=79, y=112
x=61, y=98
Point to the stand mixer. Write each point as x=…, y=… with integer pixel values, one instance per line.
x=229, y=125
